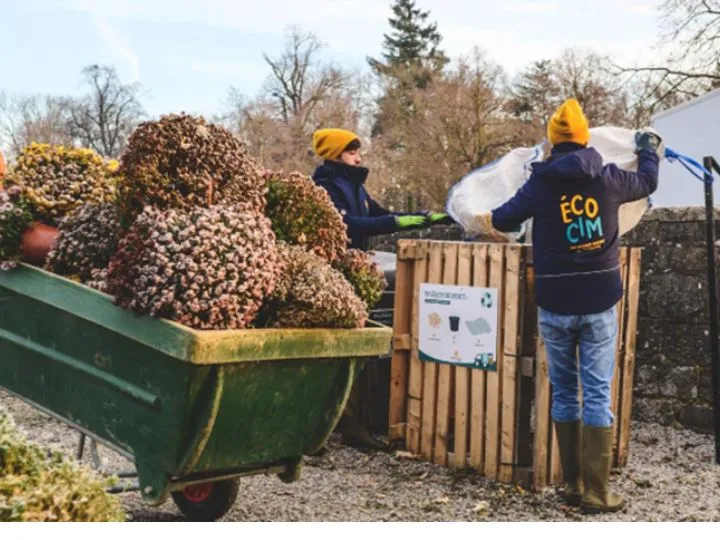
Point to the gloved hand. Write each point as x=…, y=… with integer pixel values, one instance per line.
x=494, y=235
x=440, y=219
x=647, y=140
x=410, y=222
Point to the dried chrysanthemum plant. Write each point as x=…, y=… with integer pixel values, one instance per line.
x=183, y=162
x=35, y=487
x=88, y=238
x=207, y=268
x=302, y=214
x=311, y=294
x=56, y=179
x=15, y=218
x=364, y=274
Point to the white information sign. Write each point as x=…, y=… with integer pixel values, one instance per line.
x=458, y=325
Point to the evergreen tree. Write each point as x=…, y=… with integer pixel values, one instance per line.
x=413, y=43
x=536, y=93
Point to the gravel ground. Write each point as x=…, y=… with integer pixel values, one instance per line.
x=670, y=477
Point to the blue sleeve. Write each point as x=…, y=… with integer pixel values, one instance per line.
x=632, y=186
x=376, y=210
x=360, y=226
x=511, y=215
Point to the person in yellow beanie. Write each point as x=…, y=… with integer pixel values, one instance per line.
x=344, y=179
x=569, y=125
x=573, y=200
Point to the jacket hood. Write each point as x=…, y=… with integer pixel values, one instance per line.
x=570, y=161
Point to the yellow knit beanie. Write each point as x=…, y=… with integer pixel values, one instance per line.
x=330, y=143
x=569, y=124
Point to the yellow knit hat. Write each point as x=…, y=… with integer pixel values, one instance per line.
x=330, y=143
x=569, y=124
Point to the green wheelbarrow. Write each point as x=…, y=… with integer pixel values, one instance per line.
x=194, y=410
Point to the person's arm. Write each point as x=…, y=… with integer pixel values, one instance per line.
x=511, y=215
x=359, y=226
x=633, y=186
x=375, y=209
x=402, y=220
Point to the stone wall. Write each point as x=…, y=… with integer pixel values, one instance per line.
x=673, y=380
x=672, y=375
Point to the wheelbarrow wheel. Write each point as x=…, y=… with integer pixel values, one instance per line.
x=207, y=502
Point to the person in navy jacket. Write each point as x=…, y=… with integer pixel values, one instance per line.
x=573, y=199
x=344, y=179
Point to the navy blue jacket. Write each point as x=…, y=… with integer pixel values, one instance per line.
x=574, y=201
x=363, y=216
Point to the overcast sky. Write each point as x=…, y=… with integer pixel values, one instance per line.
x=187, y=53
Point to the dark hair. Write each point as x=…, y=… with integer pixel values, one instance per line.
x=352, y=145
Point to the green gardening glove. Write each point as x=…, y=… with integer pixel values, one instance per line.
x=410, y=222
x=440, y=219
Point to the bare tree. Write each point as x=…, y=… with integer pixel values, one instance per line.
x=458, y=123
x=647, y=95
x=104, y=118
x=255, y=122
x=301, y=94
x=693, y=66
x=299, y=82
x=33, y=118
x=588, y=77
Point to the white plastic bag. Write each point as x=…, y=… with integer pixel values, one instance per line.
x=486, y=188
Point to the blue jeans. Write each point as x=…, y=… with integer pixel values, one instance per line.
x=595, y=336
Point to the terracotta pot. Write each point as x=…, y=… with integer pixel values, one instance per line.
x=37, y=242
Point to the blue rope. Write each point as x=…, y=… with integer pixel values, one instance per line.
x=687, y=162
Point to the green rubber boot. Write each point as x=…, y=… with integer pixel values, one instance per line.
x=569, y=439
x=356, y=434
x=597, y=461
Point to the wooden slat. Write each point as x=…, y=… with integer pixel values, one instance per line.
x=462, y=375
x=442, y=419
x=494, y=389
x=615, y=389
x=477, y=377
x=415, y=383
x=412, y=249
x=401, y=342
x=430, y=368
x=542, y=418
x=509, y=381
x=633, y=302
x=399, y=362
x=527, y=367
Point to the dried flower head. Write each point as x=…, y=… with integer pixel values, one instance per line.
x=88, y=238
x=182, y=161
x=55, y=180
x=38, y=487
x=364, y=274
x=15, y=218
x=311, y=294
x=302, y=214
x=207, y=268
x=98, y=280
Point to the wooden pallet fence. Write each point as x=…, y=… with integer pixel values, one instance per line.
x=497, y=423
